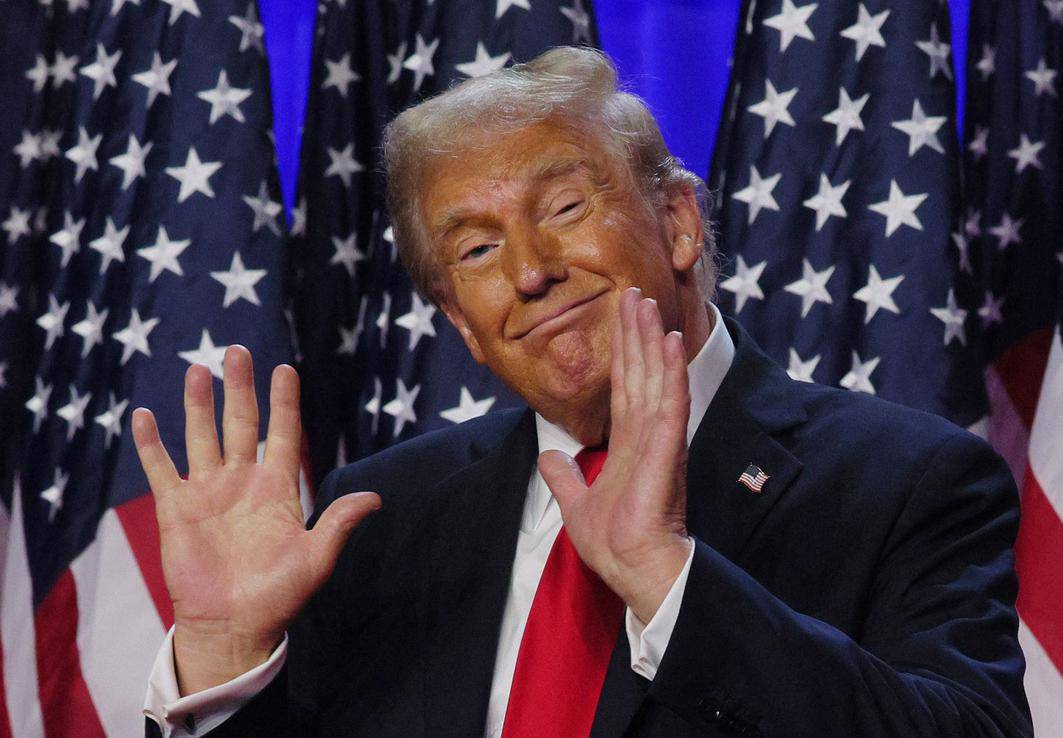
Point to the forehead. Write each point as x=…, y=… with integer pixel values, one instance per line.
x=508, y=165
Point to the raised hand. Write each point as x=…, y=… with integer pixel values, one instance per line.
x=630, y=525
x=238, y=561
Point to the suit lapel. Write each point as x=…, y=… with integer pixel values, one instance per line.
x=476, y=515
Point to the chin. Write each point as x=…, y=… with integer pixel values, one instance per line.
x=579, y=367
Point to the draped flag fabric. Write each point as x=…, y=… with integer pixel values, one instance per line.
x=1013, y=223
x=837, y=172
x=379, y=363
x=140, y=231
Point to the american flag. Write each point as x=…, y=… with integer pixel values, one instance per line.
x=839, y=205
x=1014, y=223
x=753, y=478
x=379, y=363
x=140, y=231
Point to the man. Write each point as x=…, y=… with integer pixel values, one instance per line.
x=752, y=556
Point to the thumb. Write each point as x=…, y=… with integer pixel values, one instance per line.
x=564, y=478
x=334, y=527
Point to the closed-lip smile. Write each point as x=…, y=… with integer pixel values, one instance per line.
x=558, y=313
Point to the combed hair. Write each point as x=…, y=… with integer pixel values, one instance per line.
x=573, y=86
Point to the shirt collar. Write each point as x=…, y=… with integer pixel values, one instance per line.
x=705, y=372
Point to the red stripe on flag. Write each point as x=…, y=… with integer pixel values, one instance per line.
x=142, y=530
x=1021, y=368
x=5, y=719
x=1038, y=553
x=65, y=700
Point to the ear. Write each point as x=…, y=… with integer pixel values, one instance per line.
x=684, y=228
x=456, y=316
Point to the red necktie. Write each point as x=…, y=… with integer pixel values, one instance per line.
x=571, y=631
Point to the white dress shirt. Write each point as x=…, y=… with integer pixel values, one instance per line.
x=181, y=717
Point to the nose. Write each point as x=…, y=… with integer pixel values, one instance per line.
x=533, y=261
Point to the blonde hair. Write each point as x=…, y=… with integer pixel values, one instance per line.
x=576, y=86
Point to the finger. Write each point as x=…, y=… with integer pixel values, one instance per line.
x=201, y=436
x=240, y=416
x=564, y=478
x=617, y=403
x=651, y=333
x=284, y=436
x=633, y=369
x=675, y=390
x=334, y=527
x=158, y=466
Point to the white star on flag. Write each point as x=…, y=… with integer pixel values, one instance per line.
x=866, y=31
x=117, y=5
x=744, y=283
x=812, y=287
x=501, y=6
x=74, y=412
x=54, y=494
x=211, y=356
x=401, y=408
x=28, y=149
x=1008, y=231
x=265, y=209
x=1055, y=10
x=239, y=282
x=1044, y=79
x=395, y=63
x=251, y=30
x=373, y=405
x=101, y=71
x=1026, y=154
x=420, y=61
x=299, y=218
x=792, y=22
x=899, y=209
x=801, y=370
x=342, y=164
x=484, y=63
x=878, y=294
x=68, y=239
x=90, y=328
x=132, y=161
x=418, y=321
x=938, y=51
x=38, y=404
x=992, y=310
x=467, y=407
x=979, y=145
x=383, y=319
x=84, y=153
x=581, y=21
x=987, y=65
x=8, y=299
x=134, y=337
x=773, y=108
x=111, y=418
x=953, y=318
x=163, y=254
x=858, y=379
x=38, y=74
x=962, y=246
x=177, y=7
x=347, y=252
x=339, y=75
x=847, y=115
x=224, y=99
x=758, y=193
x=194, y=176
x=110, y=244
x=828, y=201
x=52, y=321
x=156, y=79
x=62, y=70
x=921, y=130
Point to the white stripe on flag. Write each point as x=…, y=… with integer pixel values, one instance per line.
x=1044, y=685
x=1006, y=429
x=119, y=629
x=1046, y=436
x=16, y=630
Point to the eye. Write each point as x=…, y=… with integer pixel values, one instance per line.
x=477, y=251
x=568, y=207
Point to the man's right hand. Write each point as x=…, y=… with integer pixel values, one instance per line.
x=237, y=558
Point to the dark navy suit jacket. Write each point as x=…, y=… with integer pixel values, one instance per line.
x=868, y=590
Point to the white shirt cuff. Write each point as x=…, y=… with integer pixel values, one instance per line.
x=195, y=714
x=648, y=642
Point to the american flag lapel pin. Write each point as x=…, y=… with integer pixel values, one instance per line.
x=753, y=478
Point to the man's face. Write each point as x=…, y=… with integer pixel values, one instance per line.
x=538, y=234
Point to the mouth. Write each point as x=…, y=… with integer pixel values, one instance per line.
x=558, y=316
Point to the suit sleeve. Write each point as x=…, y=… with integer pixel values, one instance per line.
x=937, y=654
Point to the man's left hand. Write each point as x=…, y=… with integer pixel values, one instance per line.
x=630, y=525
